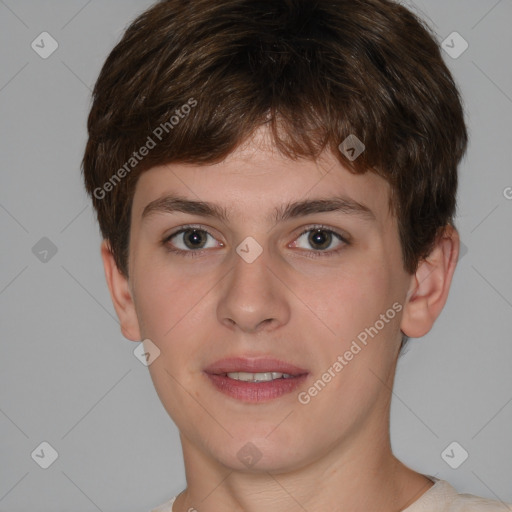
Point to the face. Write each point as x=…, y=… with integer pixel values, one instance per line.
x=294, y=268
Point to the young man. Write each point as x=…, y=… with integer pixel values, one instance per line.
x=275, y=183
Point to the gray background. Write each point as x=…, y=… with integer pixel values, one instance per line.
x=68, y=377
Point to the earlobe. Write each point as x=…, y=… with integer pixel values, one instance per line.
x=430, y=285
x=120, y=294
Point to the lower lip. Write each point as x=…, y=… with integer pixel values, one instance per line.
x=255, y=391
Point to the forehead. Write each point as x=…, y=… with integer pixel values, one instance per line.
x=256, y=180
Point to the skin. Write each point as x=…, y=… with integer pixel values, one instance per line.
x=333, y=453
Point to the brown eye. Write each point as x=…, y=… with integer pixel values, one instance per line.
x=320, y=239
x=190, y=240
x=194, y=238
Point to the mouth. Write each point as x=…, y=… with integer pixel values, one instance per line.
x=254, y=380
x=257, y=377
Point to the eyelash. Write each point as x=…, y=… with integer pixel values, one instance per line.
x=309, y=254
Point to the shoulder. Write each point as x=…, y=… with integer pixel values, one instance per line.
x=442, y=497
x=471, y=503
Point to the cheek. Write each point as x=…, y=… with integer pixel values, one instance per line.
x=158, y=307
x=173, y=309
x=349, y=299
x=167, y=306
x=167, y=295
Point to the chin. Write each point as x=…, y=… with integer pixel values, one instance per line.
x=260, y=454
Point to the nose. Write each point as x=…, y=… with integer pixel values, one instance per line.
x=253, y=297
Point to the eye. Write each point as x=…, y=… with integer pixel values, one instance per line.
x=193, y=240
x=321, y=239
x=190, y=239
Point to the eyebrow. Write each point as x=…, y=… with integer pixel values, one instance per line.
x=291, y=210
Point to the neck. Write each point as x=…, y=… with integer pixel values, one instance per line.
x=358, y=475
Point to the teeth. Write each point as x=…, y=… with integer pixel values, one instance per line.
x=258, y=377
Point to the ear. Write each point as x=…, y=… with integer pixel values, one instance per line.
x=430, y=285
x=120, y=294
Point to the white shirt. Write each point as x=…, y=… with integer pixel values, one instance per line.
x=441, y=497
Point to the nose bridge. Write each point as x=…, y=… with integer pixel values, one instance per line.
x=252, y=296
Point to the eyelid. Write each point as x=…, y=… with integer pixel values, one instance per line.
x=186, y=227
x=345, y=237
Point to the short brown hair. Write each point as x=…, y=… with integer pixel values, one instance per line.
x=314, y=71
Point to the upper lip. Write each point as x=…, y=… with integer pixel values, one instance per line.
x=253, y=365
